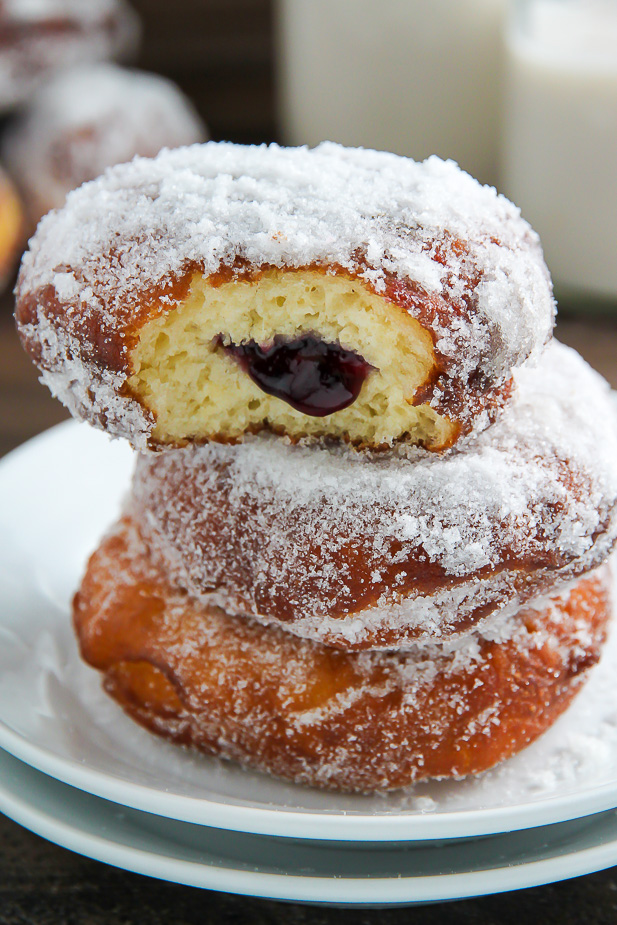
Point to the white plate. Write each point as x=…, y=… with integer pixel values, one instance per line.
x=309, y=871
x=57, y=494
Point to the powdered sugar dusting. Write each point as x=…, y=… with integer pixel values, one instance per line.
x=87, y=391
x=532, y=501
x=143, y=224
x=42, y=9
x=55, y=701
x=375, y=720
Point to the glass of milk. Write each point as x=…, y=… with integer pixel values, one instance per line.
x=416, y=77
x=559, y=154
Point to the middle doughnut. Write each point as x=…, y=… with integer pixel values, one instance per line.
x=375, y=550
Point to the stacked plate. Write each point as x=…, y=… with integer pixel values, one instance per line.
x=74, y=769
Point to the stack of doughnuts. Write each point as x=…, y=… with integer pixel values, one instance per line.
x=367, y=536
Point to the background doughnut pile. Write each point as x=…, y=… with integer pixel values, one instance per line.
x=70, y=107
x=373, y=504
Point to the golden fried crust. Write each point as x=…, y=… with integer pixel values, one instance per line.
x=371, y=721
x=240, y=549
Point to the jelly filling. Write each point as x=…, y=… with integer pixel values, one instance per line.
x=312, y=376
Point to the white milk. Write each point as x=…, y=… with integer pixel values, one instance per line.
x=560, y=137
x=416, y=77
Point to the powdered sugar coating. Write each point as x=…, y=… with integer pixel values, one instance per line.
x=143, y=226
x=361, y=550
x=362, y=721
x=89, y=118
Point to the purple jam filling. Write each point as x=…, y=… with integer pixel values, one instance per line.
x=312, y=376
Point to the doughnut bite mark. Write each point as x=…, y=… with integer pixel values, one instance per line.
x=303, y=711
x=140, y=297
x=201, y=370
x=362, y=550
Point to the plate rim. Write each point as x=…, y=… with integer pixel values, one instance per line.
x=327, y=825
x=297, y=823
x=340, y=890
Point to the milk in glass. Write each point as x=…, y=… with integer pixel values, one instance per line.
x=416, y=77
x=560, y=136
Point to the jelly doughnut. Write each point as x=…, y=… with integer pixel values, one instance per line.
x=39, y=38
x=220, y=290
x=362, y=550
x=350, y=721
x=87, y=119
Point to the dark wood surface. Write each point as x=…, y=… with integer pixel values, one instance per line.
x=220, y=52
x=45, y=885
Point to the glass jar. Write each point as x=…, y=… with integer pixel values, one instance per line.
x=416, y=77
x=559, y=144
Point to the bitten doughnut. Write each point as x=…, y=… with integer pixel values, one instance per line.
x=363, y=721
x=221, y=290
x=87, y=119
x=37, y=39
x=362, y=550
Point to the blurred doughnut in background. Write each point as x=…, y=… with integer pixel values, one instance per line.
x=39, y=37
x=89, y=118
x=12, y=228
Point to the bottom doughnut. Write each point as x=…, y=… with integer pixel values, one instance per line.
x=300, y=710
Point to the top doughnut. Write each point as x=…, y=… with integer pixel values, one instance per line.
x=342, y=293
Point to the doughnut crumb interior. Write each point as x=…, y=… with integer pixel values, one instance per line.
x=197, y=390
